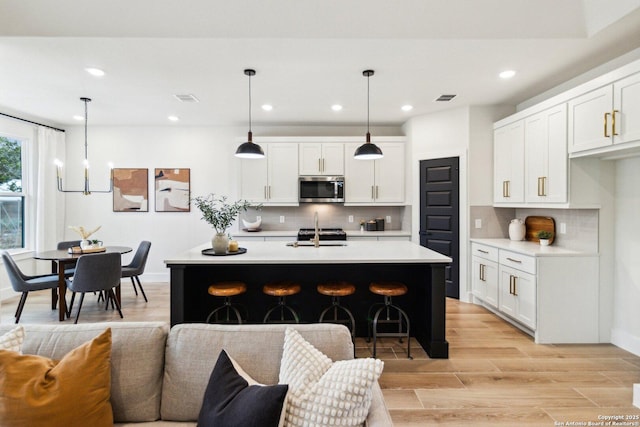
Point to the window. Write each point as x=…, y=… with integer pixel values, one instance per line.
x=11, y=194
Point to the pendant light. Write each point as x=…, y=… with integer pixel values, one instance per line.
x=87, y=190
x=249, y=150
x=368, y=150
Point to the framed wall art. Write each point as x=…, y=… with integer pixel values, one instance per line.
x=130, y=190
x=173, y=190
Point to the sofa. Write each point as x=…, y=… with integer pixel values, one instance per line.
x=159, y=374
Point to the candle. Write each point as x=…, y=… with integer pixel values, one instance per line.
x=233, y=246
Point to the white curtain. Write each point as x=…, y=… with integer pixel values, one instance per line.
x=49, y=203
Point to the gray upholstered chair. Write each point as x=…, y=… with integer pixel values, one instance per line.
x=136, y=267
x=25, y=284
x=96, y=273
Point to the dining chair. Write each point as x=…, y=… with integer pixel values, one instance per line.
x=136, y=267
x=68, y=272
x=25, y=284
x=96, y=273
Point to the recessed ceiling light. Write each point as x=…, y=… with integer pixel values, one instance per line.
x=267, y=107
x=507, y=74
x=336, y=107
x=76, y=117
x=173, y=118
x=96, y=72
x=407, y=107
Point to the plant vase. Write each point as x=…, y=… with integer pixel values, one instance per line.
x=220, y=243
x=85, y=244
x=544, y=242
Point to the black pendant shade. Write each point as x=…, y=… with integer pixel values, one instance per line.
x=249, y=150
x=368, y=150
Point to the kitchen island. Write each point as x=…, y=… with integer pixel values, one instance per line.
x=359, y=262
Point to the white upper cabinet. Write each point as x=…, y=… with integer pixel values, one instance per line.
x=375, y=182
x=605, y=117
x=626, y=105
x=272, y=180
x=545, y=140
x=321, y=158
x=508, y=154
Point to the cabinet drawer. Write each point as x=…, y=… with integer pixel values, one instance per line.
x=484, y=251
x=518, y=261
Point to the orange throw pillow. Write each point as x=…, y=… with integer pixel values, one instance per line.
x=75, y=391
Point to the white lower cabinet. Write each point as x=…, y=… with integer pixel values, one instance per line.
x=552, y=294
x=484, y=279
x=518, y=295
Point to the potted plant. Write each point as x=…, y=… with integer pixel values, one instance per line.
x=544, y=237
x=220, y=214
x=85, y=243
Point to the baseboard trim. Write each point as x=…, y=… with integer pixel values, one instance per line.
x=626, y=341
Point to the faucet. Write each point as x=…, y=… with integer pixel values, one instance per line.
x=316, y=235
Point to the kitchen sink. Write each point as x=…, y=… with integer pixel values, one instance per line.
x=322, y=243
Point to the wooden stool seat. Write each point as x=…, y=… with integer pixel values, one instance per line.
x=227, y=289
x=337, y=289
x=382, y=314
x=281, y=289
x=388, y=289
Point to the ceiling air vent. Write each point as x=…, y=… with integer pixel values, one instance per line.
x=445, y=98
x=187, y=98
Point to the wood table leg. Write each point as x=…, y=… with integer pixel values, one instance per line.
x=62, y=291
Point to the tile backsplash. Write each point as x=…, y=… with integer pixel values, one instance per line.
x=329, y=216
x=581, y=224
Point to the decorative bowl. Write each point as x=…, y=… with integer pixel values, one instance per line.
x=252, y=225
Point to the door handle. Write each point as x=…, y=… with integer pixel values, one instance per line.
x=606, y=116
x=613, y=122
x=482, y=251
x=515, y=286
x=514, y=260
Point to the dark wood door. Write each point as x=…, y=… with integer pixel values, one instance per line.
x=440, y=216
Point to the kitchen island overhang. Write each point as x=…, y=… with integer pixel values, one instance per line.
x=359, y=262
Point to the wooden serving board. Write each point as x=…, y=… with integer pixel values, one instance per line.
x=79, y=250
x=538, y=223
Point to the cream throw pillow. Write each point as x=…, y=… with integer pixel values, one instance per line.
x=13, y=339
x=322, y=392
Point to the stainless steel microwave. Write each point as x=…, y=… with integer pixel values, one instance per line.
x=321, y=189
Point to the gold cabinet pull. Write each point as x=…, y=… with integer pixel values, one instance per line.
x=515, y=286
x=542, y=191
x=510, y=284
x=606, y=116
x=506, y=189
x=613, y=122
x=482, y=272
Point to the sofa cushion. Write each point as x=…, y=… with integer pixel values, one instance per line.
x=38, y=391
x=13, y=339
x=233, y=398
x=137, y=360
x=322, y=392
x=192, y=351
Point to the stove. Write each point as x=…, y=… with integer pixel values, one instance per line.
x=305, y=234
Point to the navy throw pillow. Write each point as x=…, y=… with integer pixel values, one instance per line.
x=230, y=400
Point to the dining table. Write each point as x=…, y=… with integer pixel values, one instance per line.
x=61, y=259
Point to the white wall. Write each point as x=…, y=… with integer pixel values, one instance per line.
x=626, y=316
x=466, y=133
x=207, y=151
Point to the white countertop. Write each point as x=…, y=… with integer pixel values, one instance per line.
x=532, y=248
x=279, y=253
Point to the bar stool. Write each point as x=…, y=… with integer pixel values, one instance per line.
x=226, y=290
x=281, y=290
x=388, y=290
x=336, y=290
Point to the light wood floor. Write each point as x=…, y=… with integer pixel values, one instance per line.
x=495, y=375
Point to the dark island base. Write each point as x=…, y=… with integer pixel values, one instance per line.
x=424, y=303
